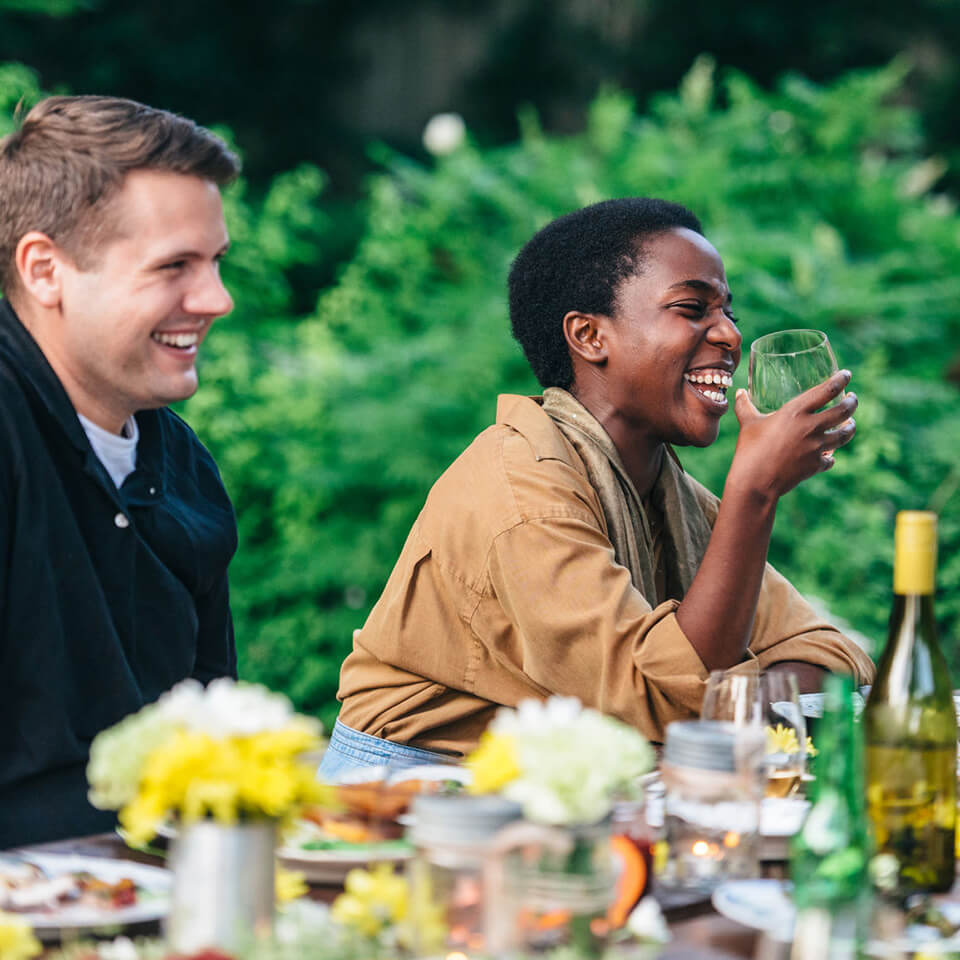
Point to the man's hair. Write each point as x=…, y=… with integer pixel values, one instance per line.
x=578, y=262
x=62, y=168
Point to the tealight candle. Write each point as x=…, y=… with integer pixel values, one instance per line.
x=714, y=784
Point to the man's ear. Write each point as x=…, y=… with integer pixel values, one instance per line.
x=586, y=336
x=38, y=261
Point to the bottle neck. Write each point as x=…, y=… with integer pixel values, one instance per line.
x=915, y=558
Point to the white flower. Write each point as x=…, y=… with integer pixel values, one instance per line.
x=226, y=708
x=884, y=871
x=120, y=949
x=646, y=922
x=443, y=133
x=536, y=718
x=572, y=760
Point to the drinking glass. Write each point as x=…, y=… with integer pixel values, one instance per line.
x=770, y=703
x=786, y=732
x=785, y=364
x=731, y=698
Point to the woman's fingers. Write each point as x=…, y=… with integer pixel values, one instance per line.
x=840, y=436
x=820, y=395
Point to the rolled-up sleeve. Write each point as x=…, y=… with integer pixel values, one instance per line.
x=583, y=629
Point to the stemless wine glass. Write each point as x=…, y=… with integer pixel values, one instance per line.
x=786, y=733
x=786, y=363
x=731, y=698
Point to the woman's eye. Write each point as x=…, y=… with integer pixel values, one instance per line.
x=175, y=265
x=692, y=309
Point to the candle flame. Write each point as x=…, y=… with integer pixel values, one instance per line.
x=731, y=839
x=701, y=848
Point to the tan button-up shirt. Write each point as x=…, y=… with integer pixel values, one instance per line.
x=507, y=588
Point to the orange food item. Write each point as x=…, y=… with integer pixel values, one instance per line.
x=631, y=879
x=378, y=799
x=349, y=830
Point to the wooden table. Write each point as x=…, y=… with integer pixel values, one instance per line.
x=699, y=932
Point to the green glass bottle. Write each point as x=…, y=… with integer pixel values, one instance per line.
x=828, y=857
x=910, y=729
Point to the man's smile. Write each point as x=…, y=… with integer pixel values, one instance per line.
x=182, y=341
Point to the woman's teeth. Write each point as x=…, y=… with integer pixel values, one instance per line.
x=719, y=378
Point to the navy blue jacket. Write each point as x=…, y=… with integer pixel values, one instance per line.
x=107, y=597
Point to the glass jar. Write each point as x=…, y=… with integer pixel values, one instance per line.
x=561, y=887
x=451, y=873
x=713, y=776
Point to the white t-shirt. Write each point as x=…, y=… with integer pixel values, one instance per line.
x=117, y=453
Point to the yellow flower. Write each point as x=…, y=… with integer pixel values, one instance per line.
x=195, y=775
x=289, y=885
x=372, y=900
x=17, y=941
x=781, y=739
x=494, y=763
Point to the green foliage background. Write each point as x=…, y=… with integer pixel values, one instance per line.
x=329, y=428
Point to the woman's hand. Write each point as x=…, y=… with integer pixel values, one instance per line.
x=778, y=450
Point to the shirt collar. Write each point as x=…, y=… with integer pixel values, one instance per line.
x=526, y=416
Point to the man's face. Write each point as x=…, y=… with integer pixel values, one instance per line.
x=672, y=327
x=131, y=325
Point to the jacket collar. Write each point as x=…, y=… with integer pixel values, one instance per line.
x=31, y=368
x=29, y=365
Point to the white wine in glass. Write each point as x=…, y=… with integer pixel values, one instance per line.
x=787, y=363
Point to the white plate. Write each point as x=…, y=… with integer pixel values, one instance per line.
x=765, y=905
x=153, y=895
x=332, y=866
x=759, y=904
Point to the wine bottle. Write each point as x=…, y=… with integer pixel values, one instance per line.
x=910, y=729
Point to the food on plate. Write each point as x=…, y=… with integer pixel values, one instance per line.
x=26, y=888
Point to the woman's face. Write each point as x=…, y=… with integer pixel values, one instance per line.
x=673, y=344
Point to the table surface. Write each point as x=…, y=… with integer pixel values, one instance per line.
x=699, y=932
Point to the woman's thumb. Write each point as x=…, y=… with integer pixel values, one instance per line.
x=743, y=407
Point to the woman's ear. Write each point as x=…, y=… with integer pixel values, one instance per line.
x=586, y=337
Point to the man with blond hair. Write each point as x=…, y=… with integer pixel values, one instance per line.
x=115, y=529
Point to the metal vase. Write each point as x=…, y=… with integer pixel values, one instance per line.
x=223, y=885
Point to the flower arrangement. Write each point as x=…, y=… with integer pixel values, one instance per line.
x=228, y=751
x=562, y=762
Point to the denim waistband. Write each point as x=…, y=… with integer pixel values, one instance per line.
x=350, y=749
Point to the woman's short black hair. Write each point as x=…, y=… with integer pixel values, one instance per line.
x=577, y=262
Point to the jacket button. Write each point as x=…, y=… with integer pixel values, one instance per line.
x=121, y=521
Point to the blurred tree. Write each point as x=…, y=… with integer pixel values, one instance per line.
x=819, y=200
x=315, y=79
x=49, y=8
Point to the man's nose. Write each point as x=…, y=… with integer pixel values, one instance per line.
x=208, y=295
